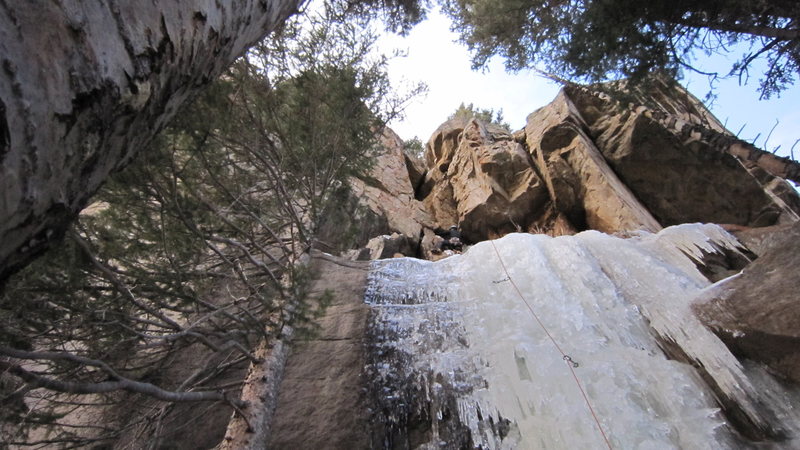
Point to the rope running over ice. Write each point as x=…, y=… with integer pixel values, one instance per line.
x=570, y=363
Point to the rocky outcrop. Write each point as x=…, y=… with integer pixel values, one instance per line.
x=388, y=191
x=390, y=246
x=606, y=157
x=581, y=183
x=678, y=179
x=757, y=313
x=759, y=240
x=486, y=183
x=602, y=158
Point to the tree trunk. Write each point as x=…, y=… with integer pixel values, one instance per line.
x=249, y=429
x=84, y=85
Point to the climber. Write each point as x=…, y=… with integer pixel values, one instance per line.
x=453, y=240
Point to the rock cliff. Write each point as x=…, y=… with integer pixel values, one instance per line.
x=627, y=280
x=470, y=352
x=589, y=160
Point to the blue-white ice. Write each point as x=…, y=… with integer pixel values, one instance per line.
x=607, y=302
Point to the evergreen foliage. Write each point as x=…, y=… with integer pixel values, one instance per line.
x=397, y=15
x=470, y=111
x=414, y=147
x=595, y=39
x=193, y=251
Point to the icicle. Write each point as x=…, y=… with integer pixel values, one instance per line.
x=454, y=345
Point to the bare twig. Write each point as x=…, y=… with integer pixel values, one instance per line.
x=123, y=289
x=119, y=382
x=770, y=134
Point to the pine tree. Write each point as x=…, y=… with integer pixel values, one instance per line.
x=194, y=248
x=595, y=39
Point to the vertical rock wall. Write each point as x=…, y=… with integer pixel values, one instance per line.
x=452, y=357
x=619, y=162
x=322, y=398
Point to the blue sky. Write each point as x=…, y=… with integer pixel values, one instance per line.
x=434, y=58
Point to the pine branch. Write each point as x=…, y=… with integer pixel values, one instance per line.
x=118, y=383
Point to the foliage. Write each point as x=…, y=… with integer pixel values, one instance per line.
x=486, y=115
x=193, y=251
x=397, y=15
x=414, y=147
x=596, y=39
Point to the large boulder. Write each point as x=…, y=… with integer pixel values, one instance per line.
x=443, y=144
x=678, y=180
x=494, y=185
x=435, y=189
x=390, y=246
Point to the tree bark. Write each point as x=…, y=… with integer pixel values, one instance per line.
x=249, y=428
x=84, y=86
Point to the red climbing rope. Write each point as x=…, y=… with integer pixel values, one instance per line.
x=567, y=359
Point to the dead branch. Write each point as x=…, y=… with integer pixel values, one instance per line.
x=119, y=382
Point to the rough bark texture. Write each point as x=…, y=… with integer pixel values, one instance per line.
x=85, y=85
x=250, y=428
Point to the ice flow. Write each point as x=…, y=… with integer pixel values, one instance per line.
x=458, y=357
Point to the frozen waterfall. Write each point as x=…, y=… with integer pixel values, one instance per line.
x=459, y=359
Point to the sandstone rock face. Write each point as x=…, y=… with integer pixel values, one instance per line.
x=782, y=193
x=678, y=181
x=440, y=201
x=388, y=191
x=760, y=240
x=631, y=160
x=389, y=246
x=486, y=183
x=416, y=169
x=443, y=144
x=321, y=403
x=494, y=185
x=581, y=183
x=758, y=312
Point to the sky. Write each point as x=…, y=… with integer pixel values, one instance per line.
x=434, y=58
